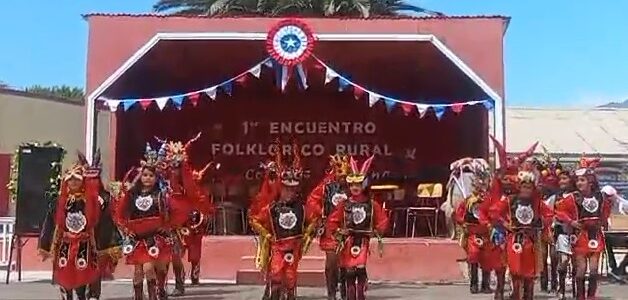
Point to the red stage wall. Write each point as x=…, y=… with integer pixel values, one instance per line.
x=238, y=130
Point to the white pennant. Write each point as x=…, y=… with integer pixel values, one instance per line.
x=330, y=75
x=161, y=102
x=211, y=93
x=373, y=98
x=256, y=71
x=268, y=63
x=422, y=108
x=113, y=105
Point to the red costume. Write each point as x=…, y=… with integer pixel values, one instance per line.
x=328, y=194
x=286, y=226
x=524, y=219
x=146, y=220
x=69, y=237
x=354, y=222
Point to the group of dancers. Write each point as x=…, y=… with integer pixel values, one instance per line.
x=528, y=209
x=161, y=210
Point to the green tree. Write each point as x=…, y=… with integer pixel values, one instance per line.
x=306, y=8
x=62, y=91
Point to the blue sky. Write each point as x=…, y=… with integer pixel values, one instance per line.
x=558, y=52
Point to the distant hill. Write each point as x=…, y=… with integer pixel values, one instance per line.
x=623, y=104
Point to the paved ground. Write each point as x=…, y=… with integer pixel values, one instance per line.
x=121, y=290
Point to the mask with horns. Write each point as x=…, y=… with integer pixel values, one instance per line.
x=290, y=175
x=359, y=174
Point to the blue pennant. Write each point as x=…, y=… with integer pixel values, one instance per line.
x=390, y=104
x=227, y=87
x=488, y=104
x=343, y=84
x=177, y=100
x=439, y=111
x=278, y=74
x=126, y=104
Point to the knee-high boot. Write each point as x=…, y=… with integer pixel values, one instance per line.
x=195, y=273
x=562, y=278
x=580, y=288
x=528, y=289
x=486, y=283
x=592, y=290
x=66, y=294
x=94, y=289
x=179, y=279
x=138, y=290
x=350, y=280
x=342, y=278
x=516, y=289
x=473, y=278
x=275, y=291
x=331, y=278
x=501, y=282
x=151, y=286
x=81, y=293
x=554, y=276
x=362, y=281
x=544, y=277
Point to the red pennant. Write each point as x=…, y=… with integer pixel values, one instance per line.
x=145, y=103
x=407, y=108
x=242, y=80
x=357, y=92
x=457, y=107
x=194, y=98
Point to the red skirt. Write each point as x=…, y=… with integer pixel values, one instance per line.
x=70, y=271
x=142, y=253
x=480, y=250
x=327, y=242
x=521, y=262
x=585, y=246
x=352, y=255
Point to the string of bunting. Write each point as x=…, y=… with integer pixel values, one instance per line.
x=289, y=44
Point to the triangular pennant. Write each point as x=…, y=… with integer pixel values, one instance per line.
x=241, y=80
x=268, y=63
x=330, y=75
x=302, y=76
x=488, y=104
x=343, y=84
x=422, y=109
x=227, y=87
x=457, y=107
x=407, y=108
x=113, y=105
x=194, y=98
x=373, y=98
x=177, y=100
x=390, y=104
x=358, y=92
x=161, y=102
x=126, y=104
x=256, y=71
x=439, y=111
x=211, y=93
x=145, y=103
x=285, y=76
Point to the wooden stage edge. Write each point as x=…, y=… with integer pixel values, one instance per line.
x=230, y=258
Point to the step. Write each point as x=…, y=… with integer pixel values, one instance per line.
x=309, y=278
x=306, y=263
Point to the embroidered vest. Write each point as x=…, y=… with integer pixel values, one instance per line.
x=589, y=207
x=288, y=219
x=359, y=216
x=145, y=206
x=334, y=194
x=522, y=214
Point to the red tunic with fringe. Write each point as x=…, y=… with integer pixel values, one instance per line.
x=145, y=219
x=524, y=221
x=324, y=198
x=361, y=218
x=75, y=262
x=593, y=213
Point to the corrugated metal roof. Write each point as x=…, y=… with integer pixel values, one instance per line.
x=392, y=17
x=599, y=130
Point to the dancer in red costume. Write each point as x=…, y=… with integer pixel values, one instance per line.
x=68, y=234
x=286, y=223
x=503, y=187
x=191, y=207
x=329, y=193
x=354, y=222
x=523, y=217
x=481, y=252
x=142, y=214
x=587, y=213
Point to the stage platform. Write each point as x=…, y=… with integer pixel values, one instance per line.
x=229, y=259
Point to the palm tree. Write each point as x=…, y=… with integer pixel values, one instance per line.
x=310, y=8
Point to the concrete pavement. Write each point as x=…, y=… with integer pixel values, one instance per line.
x=119, y=290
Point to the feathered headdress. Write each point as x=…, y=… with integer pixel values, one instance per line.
x=290, y=175
x=155, y=158
x=549, y=169
x=526, y=177
x=587, y=165
x=176, y=152
x=339, y=164
x=200, y=174
x=77, y=170
x=510, y=163
x=359, y=174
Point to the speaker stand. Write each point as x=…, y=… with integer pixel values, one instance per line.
x=16, y=244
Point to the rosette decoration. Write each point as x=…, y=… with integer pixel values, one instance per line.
x=289, y=43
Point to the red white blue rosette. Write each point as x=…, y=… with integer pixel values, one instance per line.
x=290, y=42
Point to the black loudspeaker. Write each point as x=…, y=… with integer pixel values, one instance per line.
x=35, y=165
